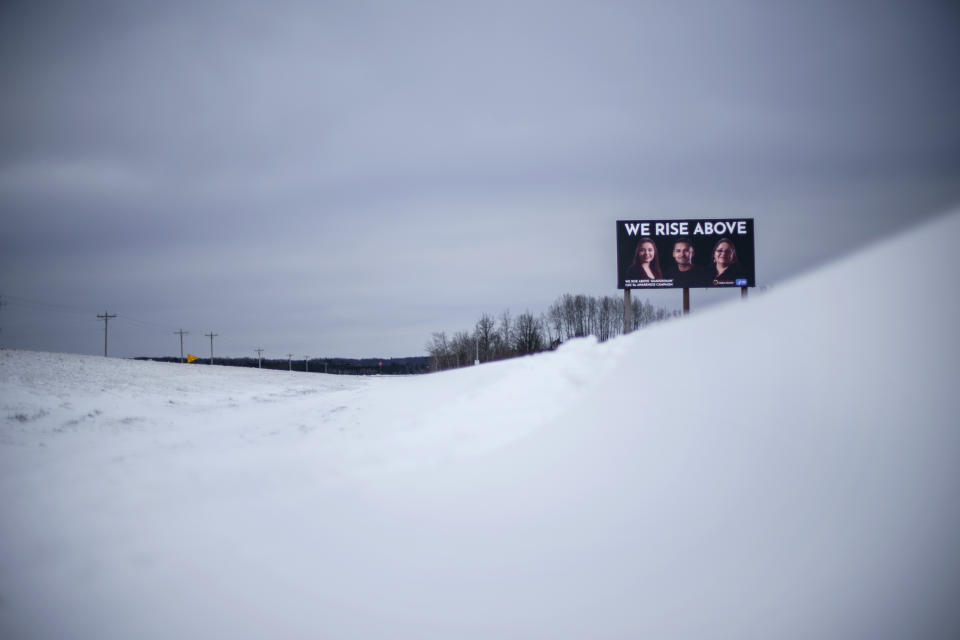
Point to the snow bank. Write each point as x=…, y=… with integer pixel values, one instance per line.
x=786, y=467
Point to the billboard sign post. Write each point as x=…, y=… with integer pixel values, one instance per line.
x=685, y=254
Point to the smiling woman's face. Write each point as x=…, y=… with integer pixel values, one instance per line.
x=647, y=252
x=723, y=254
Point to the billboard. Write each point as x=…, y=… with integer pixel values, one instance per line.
x=679, y=254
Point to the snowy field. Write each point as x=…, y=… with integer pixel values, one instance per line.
x=788, y=467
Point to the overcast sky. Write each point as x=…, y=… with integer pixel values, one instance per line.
x=344, y=178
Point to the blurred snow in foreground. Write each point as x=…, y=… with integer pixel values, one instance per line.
x=787, y=467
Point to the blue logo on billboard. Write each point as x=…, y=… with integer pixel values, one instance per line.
x=741, y=282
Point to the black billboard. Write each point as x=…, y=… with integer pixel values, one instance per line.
x=678, y=254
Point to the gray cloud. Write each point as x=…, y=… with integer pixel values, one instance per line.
x=372, y=171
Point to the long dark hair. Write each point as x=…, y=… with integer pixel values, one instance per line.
x=654, y=264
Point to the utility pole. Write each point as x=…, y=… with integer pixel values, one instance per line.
x=211, y=335
x=290, y=361
x=106, y=320
x=182, y=333
x=306, y=363
x=259, y=359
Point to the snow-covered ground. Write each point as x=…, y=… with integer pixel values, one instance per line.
x=787, y=467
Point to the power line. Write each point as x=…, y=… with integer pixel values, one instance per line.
x=18, y=301
x=145, y=322
x=28, y=302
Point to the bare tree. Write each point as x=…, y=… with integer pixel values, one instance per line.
x=547, y=330
x=604, y=311
x=439, y=349
x=555, y=313
x=616, y=319
x=462, y=348
x=528, y=335
x=506, y=335
x=485, y=334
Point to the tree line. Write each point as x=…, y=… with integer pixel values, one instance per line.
x=570, y=316
x=340, y=366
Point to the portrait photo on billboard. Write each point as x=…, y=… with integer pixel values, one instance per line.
x=679, y=254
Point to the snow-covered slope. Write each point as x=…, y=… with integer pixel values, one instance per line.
x=787, y=467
